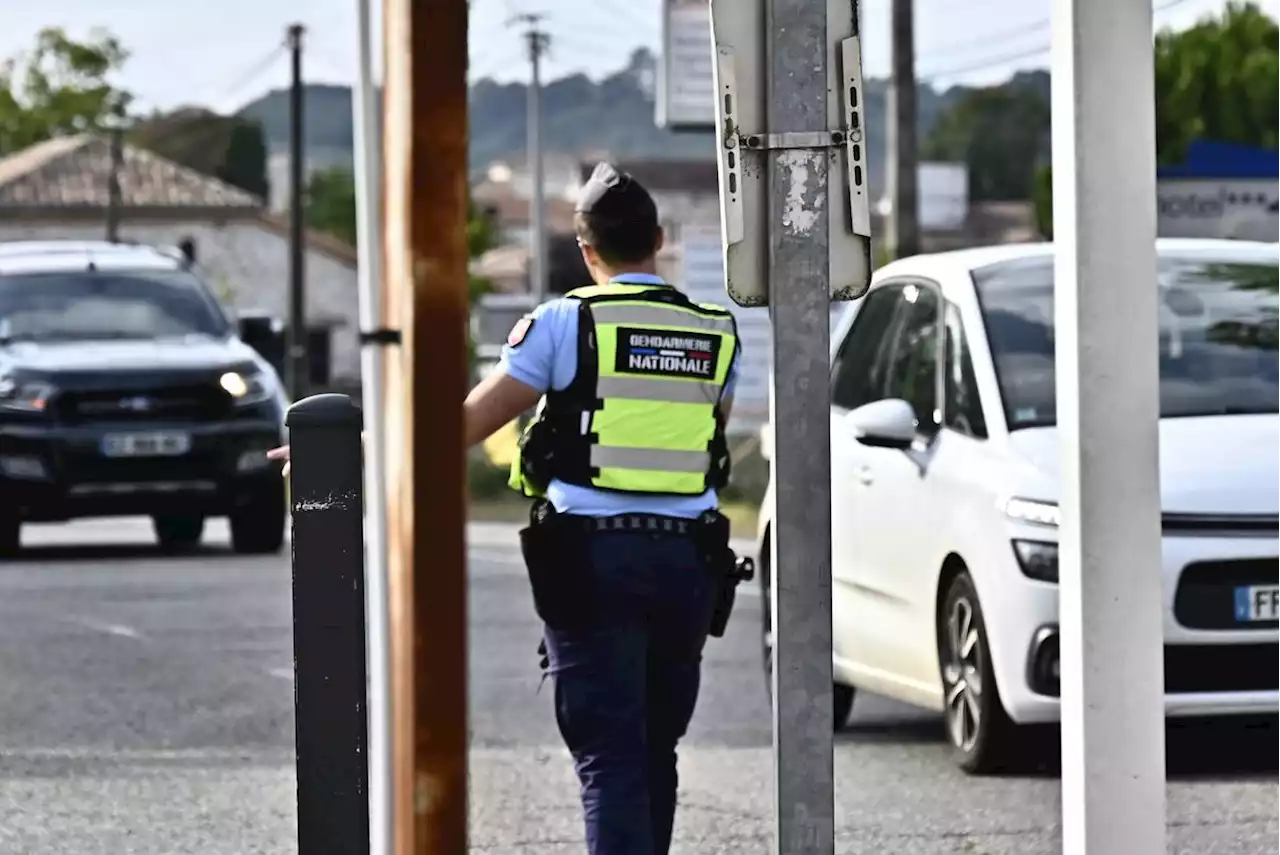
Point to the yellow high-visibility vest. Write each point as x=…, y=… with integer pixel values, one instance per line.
x=642, y=414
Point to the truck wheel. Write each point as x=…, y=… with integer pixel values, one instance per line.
x=178, y=533
x=257, y=528
x=10, y=533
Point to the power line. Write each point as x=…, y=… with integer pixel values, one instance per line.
x=1031, y=53
x=251, y=74
x=990, y=62
x=987, y=39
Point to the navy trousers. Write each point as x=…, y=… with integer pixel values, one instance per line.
x=626, y=684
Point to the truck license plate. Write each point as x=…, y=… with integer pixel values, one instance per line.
x=152, y=444
x=1257, y=603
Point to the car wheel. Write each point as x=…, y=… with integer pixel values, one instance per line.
x=842, y=696
x=10, y=533
x=980, y=731
x=257, y=528
x=178, y=533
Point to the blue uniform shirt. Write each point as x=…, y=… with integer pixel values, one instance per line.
x=547, y=359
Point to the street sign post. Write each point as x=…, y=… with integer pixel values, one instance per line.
x=827, y=161
x=796, y=235
x=684, y=92
x=1107, y=340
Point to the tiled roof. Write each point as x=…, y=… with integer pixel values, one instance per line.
x=72, y=172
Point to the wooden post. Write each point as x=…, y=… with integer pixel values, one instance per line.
x=425, y=160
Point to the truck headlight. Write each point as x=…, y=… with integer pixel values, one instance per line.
x=246, y=387
x=26, y=396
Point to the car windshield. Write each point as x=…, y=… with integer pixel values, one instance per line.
x=1217, y=337
x=93, y=305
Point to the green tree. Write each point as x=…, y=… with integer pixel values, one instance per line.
x=244, y=163
x=1042, y=201
x=58, y=88
x=1217, y=81
x=999, y=133
x=230, y=148
x=331, y=202
x=331, y=208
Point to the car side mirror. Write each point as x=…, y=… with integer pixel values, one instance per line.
x=259, y=329
x=890, y=423
x=265, y=334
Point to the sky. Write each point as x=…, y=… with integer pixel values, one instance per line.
x=225, y=53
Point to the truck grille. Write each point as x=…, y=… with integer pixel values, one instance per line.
x=1206, y=592
x=189, y=403
x=91, y=469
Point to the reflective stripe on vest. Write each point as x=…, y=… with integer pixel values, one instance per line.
x=661, y=367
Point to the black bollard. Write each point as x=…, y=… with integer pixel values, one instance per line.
x=330, y=692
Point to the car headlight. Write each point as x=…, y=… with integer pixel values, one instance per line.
x=28, y=396
x=1038, y=560
x=250, y=386
x=1033, y=512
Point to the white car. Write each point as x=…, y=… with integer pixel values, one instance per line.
x=944, y=487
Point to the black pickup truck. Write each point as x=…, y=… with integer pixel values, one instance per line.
x=125, y=389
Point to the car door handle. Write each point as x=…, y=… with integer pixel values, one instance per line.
x=864, y=476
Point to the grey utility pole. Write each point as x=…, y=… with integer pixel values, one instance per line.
x=114, y=198
x=904, y=228
x=799, y=303
x=538, y=41
x=297, y=366
x=797, y=237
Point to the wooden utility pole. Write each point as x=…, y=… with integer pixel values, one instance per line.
x=425, y=169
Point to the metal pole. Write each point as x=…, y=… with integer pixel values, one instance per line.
x=368, y=158
x=426, y=87
x=1104, y=223
x=904, y=230
x=298, y=367
x=799, y=301
x=537, y=205
x=328, y=626
x=113, y=179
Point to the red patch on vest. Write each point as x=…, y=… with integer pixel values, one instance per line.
x=520, y=331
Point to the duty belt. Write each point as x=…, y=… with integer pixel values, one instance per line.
x=542, y=513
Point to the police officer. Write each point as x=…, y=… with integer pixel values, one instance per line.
x=625, y=456
x=625, y=549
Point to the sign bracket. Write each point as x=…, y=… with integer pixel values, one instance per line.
x=736, y=143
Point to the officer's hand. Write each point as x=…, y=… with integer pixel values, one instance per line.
x=281, y=453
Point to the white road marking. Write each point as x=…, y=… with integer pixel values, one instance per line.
x=104, y=754
x=282, y=673
x=491, y=556
x=109, y=628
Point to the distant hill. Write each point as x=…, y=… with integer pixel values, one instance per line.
x=615, y=115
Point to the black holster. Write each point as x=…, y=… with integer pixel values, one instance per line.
x=556, y=558
x=726, y=569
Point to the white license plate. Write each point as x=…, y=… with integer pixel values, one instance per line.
x=1257, y=603
x=151, y=444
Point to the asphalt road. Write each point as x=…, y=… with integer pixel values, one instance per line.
x=146, y=707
